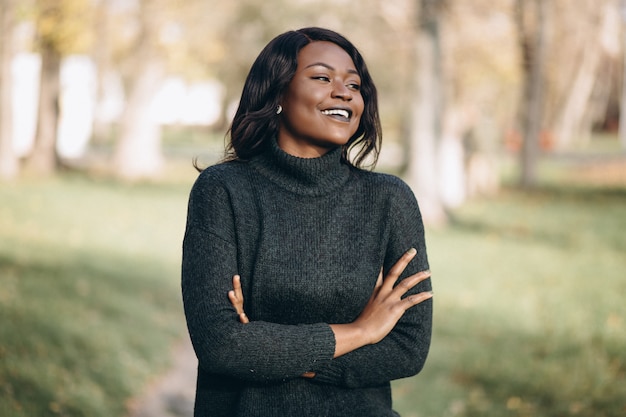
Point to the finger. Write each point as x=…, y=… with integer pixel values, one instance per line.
x=397, y=269
x=243, y=318
x=237, y=285
x=232, y=297
x=415, y=299
x=409, y=282
x=237, y=303
x=238, y=293
x=379, y=280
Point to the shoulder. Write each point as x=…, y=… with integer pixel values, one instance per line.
x=216, y=183
x=222, y=176
x=386, y=184
x=223, y=171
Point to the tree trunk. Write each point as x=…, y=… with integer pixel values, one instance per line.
x=572, y=123
x=8, y=159
x=451, y=162
x=138, y=153
x=425, y=129
x=622, y=114
x=43, y=159
x=532, y=42
x=569, y=123
x=100, y=53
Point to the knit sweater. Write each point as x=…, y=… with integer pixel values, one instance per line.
x=308, y=238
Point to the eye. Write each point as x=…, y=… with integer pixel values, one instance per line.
x=321, y=78
x=354, y=86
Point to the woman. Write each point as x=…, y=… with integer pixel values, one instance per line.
x=312, y=243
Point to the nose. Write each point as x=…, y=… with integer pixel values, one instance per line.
x=341, y=91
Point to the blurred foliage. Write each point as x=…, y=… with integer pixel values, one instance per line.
x=63, y=25
x=481, y=72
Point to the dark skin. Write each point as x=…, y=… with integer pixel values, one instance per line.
x=322, y=106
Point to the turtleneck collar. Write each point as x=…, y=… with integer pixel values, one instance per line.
x=305, y=176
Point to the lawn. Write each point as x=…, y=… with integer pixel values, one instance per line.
x=530, y=312
x=529, y=301
x=89, y=293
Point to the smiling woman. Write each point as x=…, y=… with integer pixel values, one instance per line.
x=329, y=258
x=322, y=106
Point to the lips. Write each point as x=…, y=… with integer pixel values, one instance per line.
x=339, y=113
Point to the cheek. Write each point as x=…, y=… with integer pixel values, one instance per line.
x=361, y=109
x=360, y=103
x=358, y=120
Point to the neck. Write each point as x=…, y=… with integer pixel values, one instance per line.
x=308, y=151
x=307, y=176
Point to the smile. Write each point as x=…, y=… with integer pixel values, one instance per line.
x=343, y=114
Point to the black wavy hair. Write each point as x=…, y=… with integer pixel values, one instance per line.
x=256, y=122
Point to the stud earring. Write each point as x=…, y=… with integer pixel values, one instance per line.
x=279, y=109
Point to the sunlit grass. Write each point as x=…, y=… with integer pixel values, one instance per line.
x=530, y=318
x=89, y=298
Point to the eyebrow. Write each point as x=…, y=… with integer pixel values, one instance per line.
x=321, y=64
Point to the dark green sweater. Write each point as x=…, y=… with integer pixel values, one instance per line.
x=308, y=237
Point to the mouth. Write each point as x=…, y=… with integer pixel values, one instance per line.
x=338, y=113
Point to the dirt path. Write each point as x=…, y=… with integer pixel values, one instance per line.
x=172, y=394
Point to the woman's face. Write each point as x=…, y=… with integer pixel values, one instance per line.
x=322, y=106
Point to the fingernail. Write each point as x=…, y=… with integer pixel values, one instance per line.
x=431, y=293
x=412, y=251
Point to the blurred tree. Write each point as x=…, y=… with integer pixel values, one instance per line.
x=8, y=160
x=532, y=19
x=61, y=27
x=481, y=77
x=427, y=112
x=584, y=34
x=219, y=45
x=138, y=151
x=622, y=116
x=101, y=52
x=248, y=25
x=382, y=30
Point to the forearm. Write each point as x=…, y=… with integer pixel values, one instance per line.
x=387, y=306
x=401, y=354
x=348, y=337
x=261, y=351
x=258, y=351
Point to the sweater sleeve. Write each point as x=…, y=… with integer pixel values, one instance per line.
x=403, y=351
x=258, y=351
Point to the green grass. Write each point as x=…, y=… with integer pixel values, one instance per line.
x=529, y=301
x=530, y=318
x=89, y=298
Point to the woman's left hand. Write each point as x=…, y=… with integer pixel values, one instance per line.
x=236, y=299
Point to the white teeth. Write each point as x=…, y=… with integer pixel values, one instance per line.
x=339, y=112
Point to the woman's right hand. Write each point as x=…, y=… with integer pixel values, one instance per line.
x=383, y=310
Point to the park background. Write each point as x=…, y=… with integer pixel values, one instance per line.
x=503, y=116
